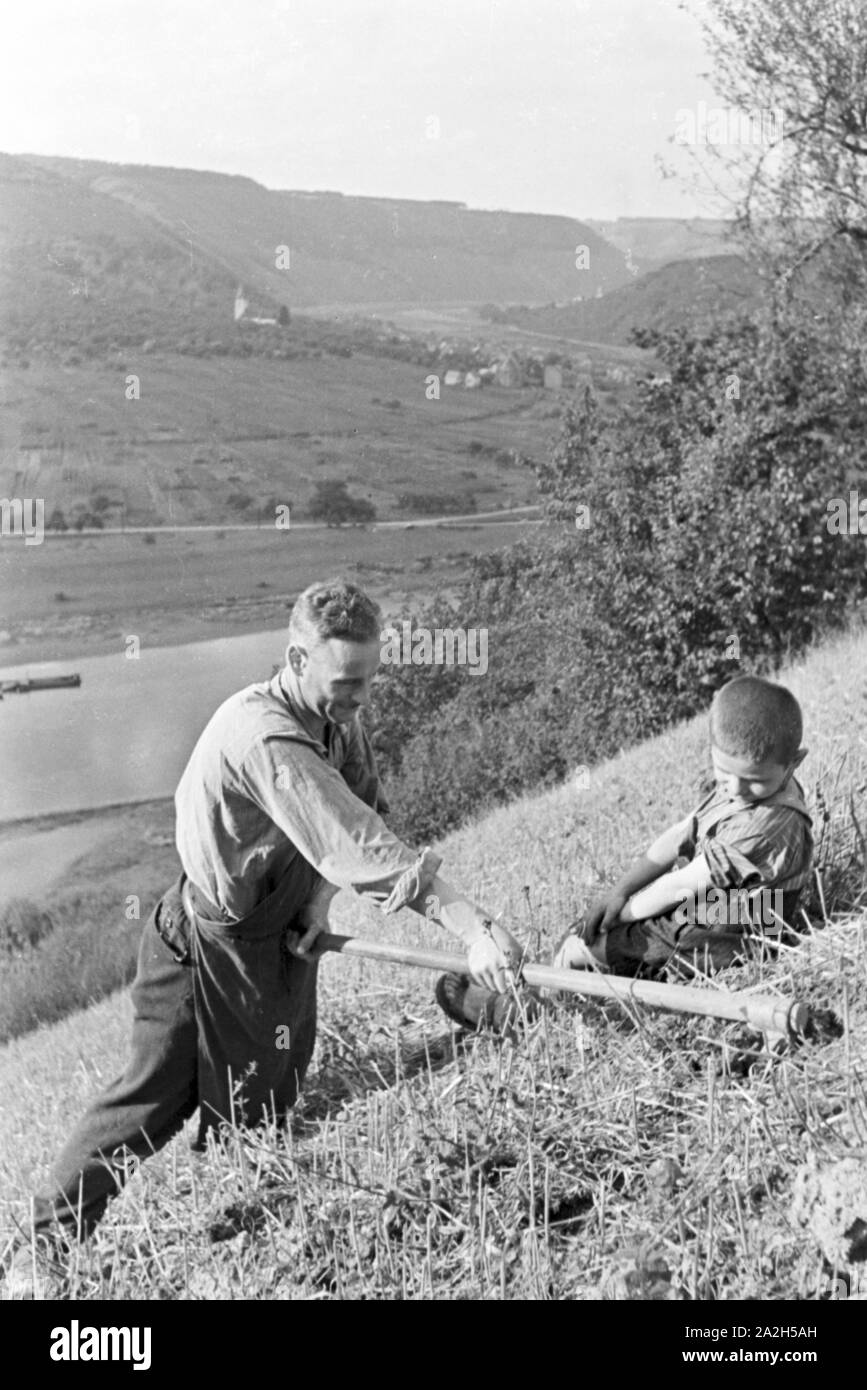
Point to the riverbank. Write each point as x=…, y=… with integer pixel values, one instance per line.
x=84, y=596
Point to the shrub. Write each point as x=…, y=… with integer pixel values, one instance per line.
x=333, y=504
x=706, y=551
x=435, y=503
x=23, y=925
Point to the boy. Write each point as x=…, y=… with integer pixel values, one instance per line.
x=736, y=864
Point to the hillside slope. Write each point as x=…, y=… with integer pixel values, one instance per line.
x=341, y=249
x=610, y=1154
x=651, y=242
x=690, y=292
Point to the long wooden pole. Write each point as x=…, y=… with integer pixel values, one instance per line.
x=762, y=1012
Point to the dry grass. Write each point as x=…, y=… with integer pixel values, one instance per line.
x=610, y=1153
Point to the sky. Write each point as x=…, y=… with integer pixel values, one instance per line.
x=552, y=106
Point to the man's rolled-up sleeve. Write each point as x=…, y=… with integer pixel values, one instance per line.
x=341, y=837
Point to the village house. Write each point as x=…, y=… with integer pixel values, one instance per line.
x=242, y=304
x=553, y=380
x=509, y=371
x=453, y=378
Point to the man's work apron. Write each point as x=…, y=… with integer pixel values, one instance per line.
x=255, y=1005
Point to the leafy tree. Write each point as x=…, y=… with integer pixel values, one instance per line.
x=333, y=504
x=702, y=548
x=802, y=69
x=239, y=501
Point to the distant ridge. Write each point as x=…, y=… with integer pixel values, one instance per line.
x=651, y=242
x=342, y=248
x=691, y=292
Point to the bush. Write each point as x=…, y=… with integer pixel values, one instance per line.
x=435, y=503
x=702, y=549
x=333, y=504
x=22, y=926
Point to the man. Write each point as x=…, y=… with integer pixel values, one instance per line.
x=279, y=807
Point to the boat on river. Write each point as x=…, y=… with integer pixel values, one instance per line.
x=31, y=683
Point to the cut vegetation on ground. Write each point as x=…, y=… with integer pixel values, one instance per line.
x=612, y=1153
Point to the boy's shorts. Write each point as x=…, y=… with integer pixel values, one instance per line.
x=646, y=947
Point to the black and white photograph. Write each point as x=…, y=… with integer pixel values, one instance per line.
x=433, y=666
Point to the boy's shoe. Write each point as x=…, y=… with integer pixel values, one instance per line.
x=473, y=1006
x=29, y=1274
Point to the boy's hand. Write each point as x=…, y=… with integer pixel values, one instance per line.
x=603, y=916
x=493, y=957
x=574, y=954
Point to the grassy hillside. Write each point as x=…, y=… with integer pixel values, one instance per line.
x=341, y=248
x=651, y=242
x=109, y=272
x=612, y=1153
x=80, y=267
x=693, y=292
x=207, y=433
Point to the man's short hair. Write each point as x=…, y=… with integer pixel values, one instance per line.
x=334, y=608
x=755, y=719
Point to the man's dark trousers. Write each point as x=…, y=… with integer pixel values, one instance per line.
x=209, y=1000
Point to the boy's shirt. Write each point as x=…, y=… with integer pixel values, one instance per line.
x=768, y=845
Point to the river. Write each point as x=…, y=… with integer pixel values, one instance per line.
x=126, y=733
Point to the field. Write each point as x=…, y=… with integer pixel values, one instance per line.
x=610, y=1153
x=207, y=432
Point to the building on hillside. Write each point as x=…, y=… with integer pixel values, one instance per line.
x=553, y=379
x=453, y=378
x=242, y=305
x=472, y=380
x=510, y=372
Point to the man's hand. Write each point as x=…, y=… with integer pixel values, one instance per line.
x=311, y=921
x=493, y=958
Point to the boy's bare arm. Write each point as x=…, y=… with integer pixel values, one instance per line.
x=668, y=890
x=658, y=858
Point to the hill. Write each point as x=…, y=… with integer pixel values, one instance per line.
x=111, y=275
x=340, y=249
x=691, y=292
x=612, y=1153
x=651, y=242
